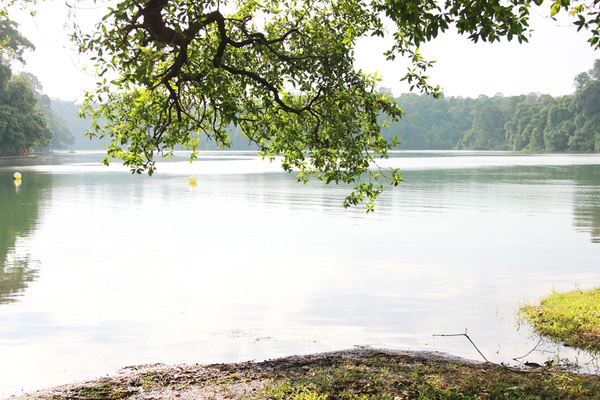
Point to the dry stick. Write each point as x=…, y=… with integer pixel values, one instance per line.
x=467, y=336
x=530, y=351
x=479, y=351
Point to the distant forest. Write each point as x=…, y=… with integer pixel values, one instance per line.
x=532, y=122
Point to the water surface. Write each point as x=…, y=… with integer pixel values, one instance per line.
x=103, y=269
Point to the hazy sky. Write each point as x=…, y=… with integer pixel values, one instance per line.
x=555, y=55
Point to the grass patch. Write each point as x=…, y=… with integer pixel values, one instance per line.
x=153, y=381
x=572, y=317
x=103, y=391
x=387, y=377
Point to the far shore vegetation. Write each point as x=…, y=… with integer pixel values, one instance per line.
x=572, y=318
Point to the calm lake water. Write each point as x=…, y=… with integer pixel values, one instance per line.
x=101, y=269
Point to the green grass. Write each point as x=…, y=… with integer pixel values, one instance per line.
x=103, y=391
x=152, y=381
x=572, y=317
x=389, y=378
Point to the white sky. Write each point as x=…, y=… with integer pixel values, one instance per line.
x=547, y=64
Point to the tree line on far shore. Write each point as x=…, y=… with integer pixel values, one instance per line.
x=532, y=122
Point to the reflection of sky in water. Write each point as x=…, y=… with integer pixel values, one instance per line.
x=252, y=265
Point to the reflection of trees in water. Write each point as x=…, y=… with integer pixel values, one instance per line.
x=19, y=211
x=586, y=208
x=587, y=213
x=15, y=275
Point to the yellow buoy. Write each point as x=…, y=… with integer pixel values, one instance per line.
x=17, y=176
x=193, y=180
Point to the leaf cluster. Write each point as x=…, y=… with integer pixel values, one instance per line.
x=587, y=17
x=12, y=43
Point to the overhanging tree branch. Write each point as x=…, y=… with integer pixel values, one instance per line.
x=281, y=70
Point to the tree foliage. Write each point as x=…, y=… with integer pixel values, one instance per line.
x=22, y=122
x=12, y=43
x=178, y=72
x=283, y=72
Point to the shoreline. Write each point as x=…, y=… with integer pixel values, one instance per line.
x=250, y=379
x=27, y=157
x=134, y=374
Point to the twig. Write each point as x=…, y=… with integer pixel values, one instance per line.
x=528, y=353
x=518, y=370
x=467, y=336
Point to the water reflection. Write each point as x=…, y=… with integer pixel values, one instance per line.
x=15, y=275
x=19, y=212
x=586, y=205
x=587, y=214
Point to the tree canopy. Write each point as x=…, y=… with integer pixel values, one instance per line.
x=175, y=72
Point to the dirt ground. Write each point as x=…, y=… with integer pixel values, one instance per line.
x=217, y=381
x=363, y=373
